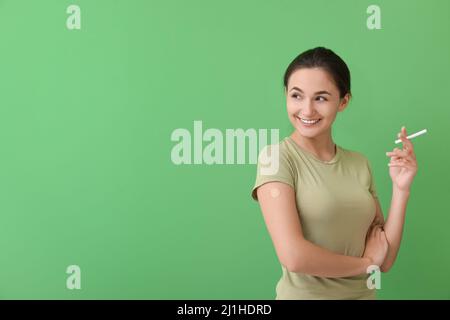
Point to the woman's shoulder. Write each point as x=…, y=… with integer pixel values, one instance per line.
x=277, y=153
x=281, y=147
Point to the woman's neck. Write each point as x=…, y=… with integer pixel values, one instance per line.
x=322, y=147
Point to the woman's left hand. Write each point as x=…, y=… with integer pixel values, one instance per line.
x=403, y=165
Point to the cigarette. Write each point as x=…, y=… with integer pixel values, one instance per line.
x=412, y=135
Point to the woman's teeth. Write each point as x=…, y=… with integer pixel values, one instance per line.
x=309, y=121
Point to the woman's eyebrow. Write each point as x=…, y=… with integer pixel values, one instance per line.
x=318, y=92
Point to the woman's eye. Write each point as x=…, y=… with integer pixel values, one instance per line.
x=296, y=96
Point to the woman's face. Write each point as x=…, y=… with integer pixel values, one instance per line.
x=311, y=95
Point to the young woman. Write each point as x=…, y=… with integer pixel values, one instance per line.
x=321, y=207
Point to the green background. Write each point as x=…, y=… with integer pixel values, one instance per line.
x=86, y=116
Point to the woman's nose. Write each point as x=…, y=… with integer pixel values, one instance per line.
x=307, y=108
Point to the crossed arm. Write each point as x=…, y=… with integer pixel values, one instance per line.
x=393, y=227
x=277, y=201
x=300, y=255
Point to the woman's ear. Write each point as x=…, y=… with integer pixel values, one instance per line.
x=344, y=102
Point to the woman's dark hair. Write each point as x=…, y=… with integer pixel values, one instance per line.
x=326, y=59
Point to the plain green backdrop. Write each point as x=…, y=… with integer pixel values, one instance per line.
x=86, y=117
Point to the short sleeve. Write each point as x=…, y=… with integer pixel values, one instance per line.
x=372, y=187
x=273, y=165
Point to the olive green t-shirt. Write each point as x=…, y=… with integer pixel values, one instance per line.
x=336, y=205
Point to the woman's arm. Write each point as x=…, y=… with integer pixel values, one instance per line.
x=393, y=227
x=403, y=169
x=278, y=205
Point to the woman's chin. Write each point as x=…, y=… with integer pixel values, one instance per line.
x=307, y=132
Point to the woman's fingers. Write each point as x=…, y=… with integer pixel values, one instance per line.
x=408, y=148
x=375, y=231
x=402, y=163
x=401, y=158
x=408, y=154
x=372, y=232
x=407, y=144
x=398, y=152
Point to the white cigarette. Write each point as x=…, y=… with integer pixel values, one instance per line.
x=412, y=135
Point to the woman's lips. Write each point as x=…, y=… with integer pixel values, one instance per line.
x=307, y=124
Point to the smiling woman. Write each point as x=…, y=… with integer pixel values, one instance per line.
x=320, y=219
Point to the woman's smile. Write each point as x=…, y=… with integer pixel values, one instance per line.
x=307, y=123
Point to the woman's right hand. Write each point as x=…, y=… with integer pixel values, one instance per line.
x=376, y=245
